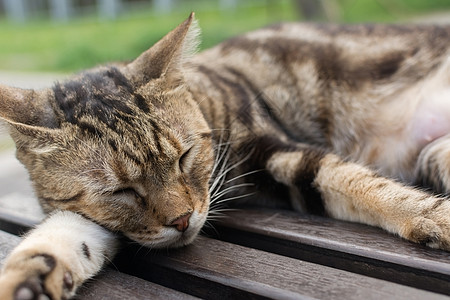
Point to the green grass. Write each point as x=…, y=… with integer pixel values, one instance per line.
x=42, y=45
x=45, y=46
x=388, y=10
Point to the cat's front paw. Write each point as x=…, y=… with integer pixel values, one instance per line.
x=433, y=229
x=35, y=276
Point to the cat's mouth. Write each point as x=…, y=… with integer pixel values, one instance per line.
x=168, y=236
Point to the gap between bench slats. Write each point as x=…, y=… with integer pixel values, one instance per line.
x=354, y=247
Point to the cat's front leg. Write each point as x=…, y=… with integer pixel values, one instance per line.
x=353, y=192
x=55, y=258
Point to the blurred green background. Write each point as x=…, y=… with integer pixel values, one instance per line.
x=45, y=37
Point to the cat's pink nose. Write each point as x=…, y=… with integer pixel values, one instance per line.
x=182, y=223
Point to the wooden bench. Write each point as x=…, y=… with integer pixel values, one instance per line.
x=252, y=254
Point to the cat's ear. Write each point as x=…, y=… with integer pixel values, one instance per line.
x=168, y=54
x=26, y=106
x=28, y=112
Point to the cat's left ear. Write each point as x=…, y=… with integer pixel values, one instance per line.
x=27, y=107
x=29, y=114
x=168, y=54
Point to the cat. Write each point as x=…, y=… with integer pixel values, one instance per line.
x=340, y=120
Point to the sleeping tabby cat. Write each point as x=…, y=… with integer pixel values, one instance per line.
x=310, y=117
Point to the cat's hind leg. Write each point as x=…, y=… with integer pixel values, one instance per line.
x=352, y=192
x=55, y=258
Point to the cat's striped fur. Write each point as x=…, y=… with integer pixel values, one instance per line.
x=310, y=117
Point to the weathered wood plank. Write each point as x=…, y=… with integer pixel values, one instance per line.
x=348, y=246
x=210, y=268
x=109, y=285
x=114, y=285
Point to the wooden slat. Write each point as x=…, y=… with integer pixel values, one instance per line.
x=348, y=246
x=110, y=285
x=15, y=224
x=210, y=269
x=114, y=285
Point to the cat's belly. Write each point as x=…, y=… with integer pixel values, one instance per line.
x=405, y=128
x=431, y=119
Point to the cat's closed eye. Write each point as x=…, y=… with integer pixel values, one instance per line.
x=183, y=161
x=129, y=193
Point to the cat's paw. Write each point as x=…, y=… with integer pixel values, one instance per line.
x=433, y=229
x=35, y=276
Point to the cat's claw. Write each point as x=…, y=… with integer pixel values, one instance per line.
x=434, y=229
x=36, y=277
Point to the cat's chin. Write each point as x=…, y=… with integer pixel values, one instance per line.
x=184, y=241
x=174, y=240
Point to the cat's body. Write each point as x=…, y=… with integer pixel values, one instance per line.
x=373, y=94
x=287, y=116
x=337, y=88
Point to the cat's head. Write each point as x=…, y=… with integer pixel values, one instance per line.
x=124, y=145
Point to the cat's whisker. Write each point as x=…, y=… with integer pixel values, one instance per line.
x=218, y=180
x=215, y=214
x=243, y=175
x=219, y=154
x=218, y=148
x=223, y=174
x=220, y=212
x=215, y=196
x=221, y=163
x=215, y=207
x=236, y=197
x=208, y=224
x=229, y=190
x=221, y=142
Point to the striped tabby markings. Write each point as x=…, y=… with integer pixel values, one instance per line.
x=297, y=169
x=354, y=193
